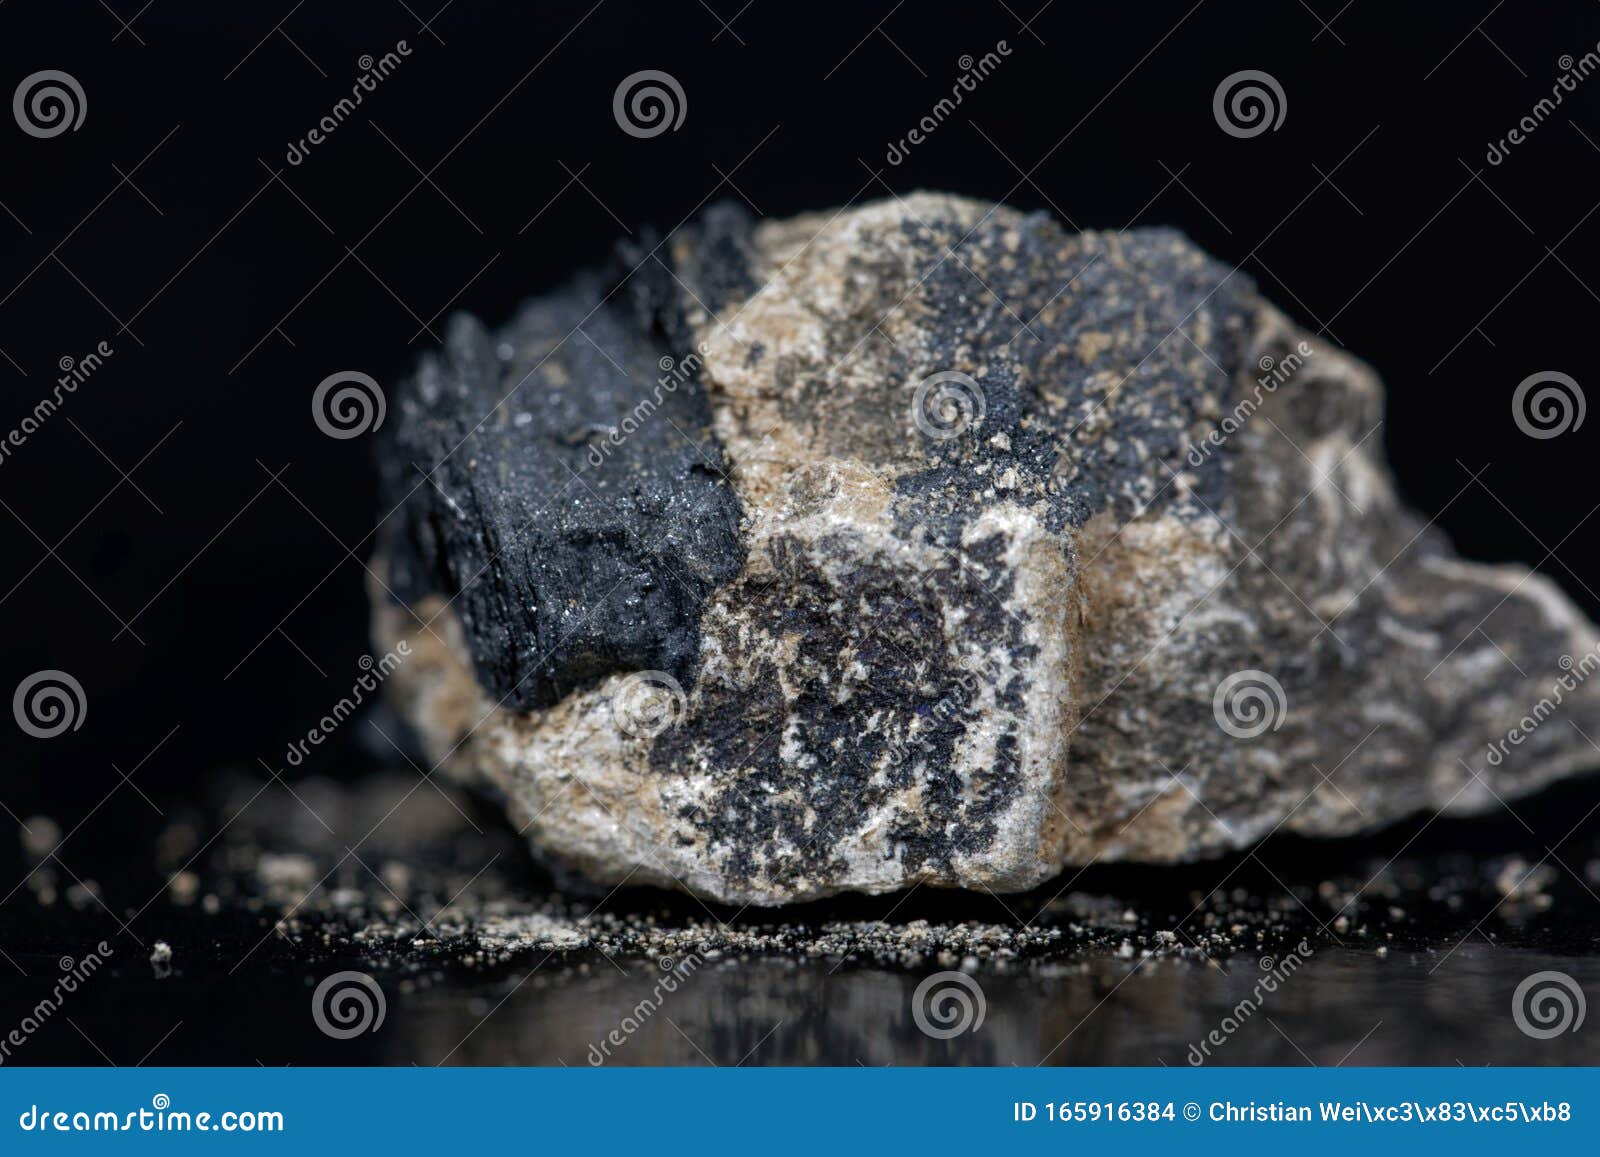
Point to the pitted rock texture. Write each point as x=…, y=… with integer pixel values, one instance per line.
x=928, y=542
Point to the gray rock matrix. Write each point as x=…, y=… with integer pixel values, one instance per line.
x=926, y=542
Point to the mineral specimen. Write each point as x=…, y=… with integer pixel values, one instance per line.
x=927, y=542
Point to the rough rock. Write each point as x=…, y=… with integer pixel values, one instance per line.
x=926, y=542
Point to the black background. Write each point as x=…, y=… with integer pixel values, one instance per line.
x=230, y=282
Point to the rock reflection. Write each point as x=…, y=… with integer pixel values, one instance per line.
x=1341, y=1007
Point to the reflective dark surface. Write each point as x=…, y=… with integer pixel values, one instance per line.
x=1344, y=1007
x=1402, y=949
